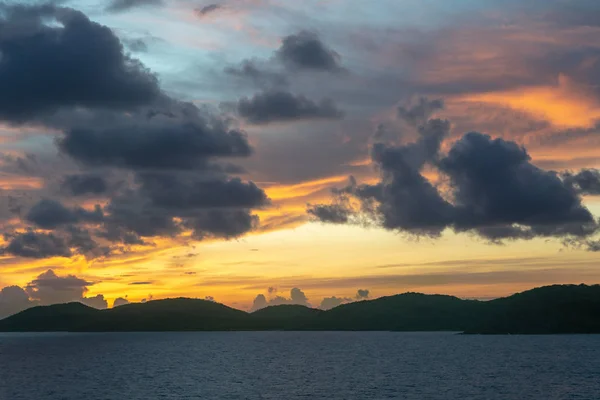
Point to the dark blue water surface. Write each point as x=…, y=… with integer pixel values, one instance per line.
x=295, y=365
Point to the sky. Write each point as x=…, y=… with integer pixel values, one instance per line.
x=257, y=152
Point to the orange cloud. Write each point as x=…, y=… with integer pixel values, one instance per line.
x=565, y=105
x=279, y=192
x=11, y=182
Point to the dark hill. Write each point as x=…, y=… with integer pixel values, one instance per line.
x=286, y=317
x=170, y=315
x=403, y=312
x=55, y=318
x=160, y=315
x=550, y=309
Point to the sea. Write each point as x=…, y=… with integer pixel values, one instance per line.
x=297, y=365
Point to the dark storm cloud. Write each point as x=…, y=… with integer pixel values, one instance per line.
x=495, y=186
x=166, y=203
x=82, y=184
x=77, y=63
x=36, y=245
x=495, y=190
x=261, y=76
x=405, y=199
x=224, y=224
x=82, y=240
x=181, y=192
x=112, y=114
x=586, y=181
x=50, y=214
x=124, y=5
x=305, y=50
x=302, y=51
x=331, y=213
x=132, y=216
x=161, y=142
x=274, y=106
x=209, y=9
x=114, y=233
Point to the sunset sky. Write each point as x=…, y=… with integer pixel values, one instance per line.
x=223, y=150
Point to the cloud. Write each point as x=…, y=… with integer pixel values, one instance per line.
x=82, y=184
x=331, y=213
x=112, y=119
x=297, y=297
x=593, y=245
x=275, y=106
x=49, y=288
x=166, y=203
x=224, y=224
x=418, y=114
x=82, y=240
x=36, y=245
x=404, y=199
x=136, y=45
x=305, y=50
x=189, y=192
x=259, y=302
x=97, y=302
x=493, y=188
x=183, y=141
x=116, y=6
x=33, y=84
x=120, y=301
x=331, y=302
x=14, y=299
x=302, y=51
x=261, y=76
x=499, y=193
x=586, y=181
x=208, y=9
x=50, y=214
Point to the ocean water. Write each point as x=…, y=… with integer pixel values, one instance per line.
x=297, y=365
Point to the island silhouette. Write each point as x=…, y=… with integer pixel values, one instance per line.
x=556, y=309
